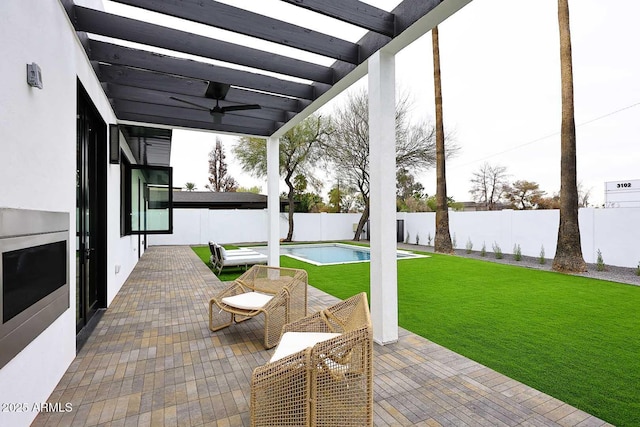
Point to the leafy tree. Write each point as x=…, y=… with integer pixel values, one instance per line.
x=190, y=186
x=442, y=241
x=410, y=195
x=308, y=202
x=568, y=255
x=219, y=180
x=488, y=185
x=335, y=199
x=407, y=186
x=451, y=204
x=349, y=148
x=523, y=194
x=255, y=189
x=542, y=202
x=299, y=153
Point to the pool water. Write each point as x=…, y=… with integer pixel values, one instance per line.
x=333, y=253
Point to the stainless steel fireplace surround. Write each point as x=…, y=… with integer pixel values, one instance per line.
x=34, y=275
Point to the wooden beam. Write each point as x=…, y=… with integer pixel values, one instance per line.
x=187, y=114
x=149, y=80
x=129, y=93
x=192, y=124
x=241, y=21
x=120, y=55
x=406, y=14
x=105, y=24
x=175, y=85
x=354, y=12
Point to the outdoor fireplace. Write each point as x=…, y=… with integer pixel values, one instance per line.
x=34, y=275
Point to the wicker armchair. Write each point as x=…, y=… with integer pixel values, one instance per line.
x=328, y=383
x=278, y=293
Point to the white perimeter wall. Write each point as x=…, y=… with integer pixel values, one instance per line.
x=614, y=231
x=38, y=171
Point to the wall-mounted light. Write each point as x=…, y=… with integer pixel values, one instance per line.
x=114, y=144
x=34, y=75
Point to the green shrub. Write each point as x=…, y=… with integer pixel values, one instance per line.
x=517, y=252
x=638, y=270
x=497, y=251
x=600, y=266
x=483, y=251
x=541, y=258
x=469, y=245
x=429, y=238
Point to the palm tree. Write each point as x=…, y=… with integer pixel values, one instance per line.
x=189, y=186
x=568, y=252
x=442, y=241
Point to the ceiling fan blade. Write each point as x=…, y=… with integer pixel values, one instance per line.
x=240, y=107
x=202, y=107
x=217, y=90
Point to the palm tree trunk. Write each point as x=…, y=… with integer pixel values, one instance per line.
x=568, y=251
x=442, y=241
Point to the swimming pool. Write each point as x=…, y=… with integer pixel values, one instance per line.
x=334, y=253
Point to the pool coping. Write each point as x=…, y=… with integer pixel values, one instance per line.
x=407, y=254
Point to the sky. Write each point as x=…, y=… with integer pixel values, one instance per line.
x=501, y=96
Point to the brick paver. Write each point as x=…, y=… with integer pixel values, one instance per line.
x=153, y=361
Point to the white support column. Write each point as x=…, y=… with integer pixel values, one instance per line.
x=382, y=162
x=273, y=200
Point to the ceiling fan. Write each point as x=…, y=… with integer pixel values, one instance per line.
x=218, y=91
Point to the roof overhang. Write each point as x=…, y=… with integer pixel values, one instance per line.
x=164, y=89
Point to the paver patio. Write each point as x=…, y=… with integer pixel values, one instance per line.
x=152, y=361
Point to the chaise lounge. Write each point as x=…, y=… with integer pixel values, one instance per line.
x=220, y=257
x=321, y=372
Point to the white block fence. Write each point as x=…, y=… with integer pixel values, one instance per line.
x=616, y=232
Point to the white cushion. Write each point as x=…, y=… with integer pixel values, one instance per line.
x=247, y=301
x=293, y=342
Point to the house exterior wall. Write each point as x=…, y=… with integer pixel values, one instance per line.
x=38, y=171
x=610, y=230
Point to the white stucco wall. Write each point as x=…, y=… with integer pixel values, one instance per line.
x=613, y=231
x=38, y=171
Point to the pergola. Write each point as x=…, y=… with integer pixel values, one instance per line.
x=148, y=88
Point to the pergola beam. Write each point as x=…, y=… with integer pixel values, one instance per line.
x=130, y=93
x=196, y=115
x=241, y=21
x=120, y=55
x=105, y=24
x=354, y=12
x=172, y=123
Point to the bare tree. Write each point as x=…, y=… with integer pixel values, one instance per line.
x=299, y=153
x=442, y=241
x=219, y=180
x=488, y=185
x=568, y=255
x=349, y=147
x=584, y=195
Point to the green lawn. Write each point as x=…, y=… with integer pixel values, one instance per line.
x=575, y=338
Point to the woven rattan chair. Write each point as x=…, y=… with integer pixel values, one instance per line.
x=321, y=372
x=278, y=293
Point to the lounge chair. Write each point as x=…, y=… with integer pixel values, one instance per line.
x=223, y=258
x=321, y=372
x=231, y=252
x=278, y=293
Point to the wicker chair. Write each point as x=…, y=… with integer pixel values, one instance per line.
x=278, y=293
x=328, y=383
